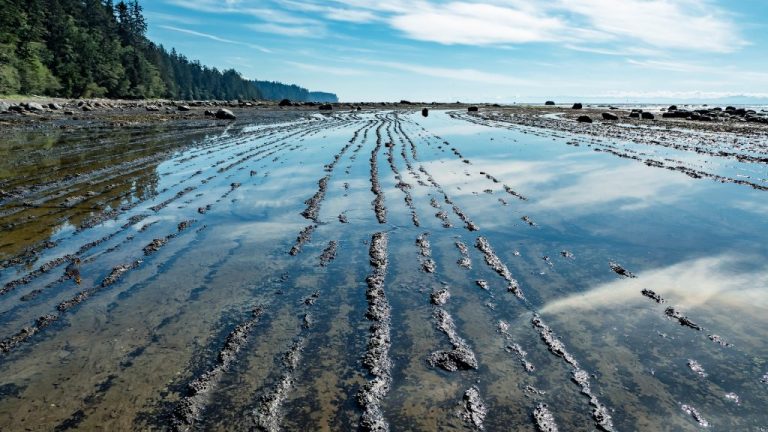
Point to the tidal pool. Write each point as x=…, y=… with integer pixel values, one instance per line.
x=269, y=277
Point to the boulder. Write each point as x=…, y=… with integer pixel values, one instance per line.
x=647, y=116
x=577, y=106
x=634, y=114
x=549, y=103
x=183, y=108
x=225, y=114
x=584, y=119
x=405, y=102
x=89, y=108
x=285, y=103
x=54, y=106
x=209, y=113
x=151, y=108
x=326, y=107
x=4, y=106
x=672, y=108
x=472, y=109
x=730, y=108
x=34, y=106
x=425, y=112
x=610, y=116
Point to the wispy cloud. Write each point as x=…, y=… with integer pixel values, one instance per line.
x=288, y=30
x=477, y=24
x=455, y=74
x=214, y=37
x=695, y=25
x=690, y=25
x=327, y=69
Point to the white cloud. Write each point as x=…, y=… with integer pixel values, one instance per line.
x=288, y=30
x=630, y=26
x=456, y=74
x=679, y=24
x=214, y=37
x=327, y=69
x=477, y=24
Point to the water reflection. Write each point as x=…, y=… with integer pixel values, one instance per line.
x=725, y=284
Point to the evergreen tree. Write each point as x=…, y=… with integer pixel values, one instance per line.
x=96, y=48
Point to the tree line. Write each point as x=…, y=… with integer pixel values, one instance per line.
x=96, y=48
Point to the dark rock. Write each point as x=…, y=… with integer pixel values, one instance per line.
x=584, y=119
x=460, y=358
x=621, y=271
x=405, y=102
x=210, y=113
x=577, y=106
x=610, y=116
x=183, y=108
x=730, y=108
x=285, y=103
x=54, y=106
x=647, y=116
x=652, y=295
x=326, y=107
x=549, y=103
x=225, y=114
x=634, y=115
x=672, y=108
x=682, y=319
x=425, y=112
x=472, y=109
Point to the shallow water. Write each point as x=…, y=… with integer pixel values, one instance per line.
x=123, y=355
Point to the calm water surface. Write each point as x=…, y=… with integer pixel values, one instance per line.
x=122, y=358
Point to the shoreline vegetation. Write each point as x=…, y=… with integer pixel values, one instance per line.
x=99, y=49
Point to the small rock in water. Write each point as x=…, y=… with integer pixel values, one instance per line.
x=619, y=270
x=653, y=296
x=440, y=297
x=693, y=412
x=225, y=114
x=732, y=397
x=697, y=368
x=474, y=411
x=545, y=421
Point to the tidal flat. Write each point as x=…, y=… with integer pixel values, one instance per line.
x=378, y=269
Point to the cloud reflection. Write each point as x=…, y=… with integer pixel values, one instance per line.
x=717, y=282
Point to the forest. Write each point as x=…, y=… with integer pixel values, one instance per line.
x=98, y=48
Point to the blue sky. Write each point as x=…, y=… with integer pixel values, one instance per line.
x=480, y=50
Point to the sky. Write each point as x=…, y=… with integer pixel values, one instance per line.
x=480, y=50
